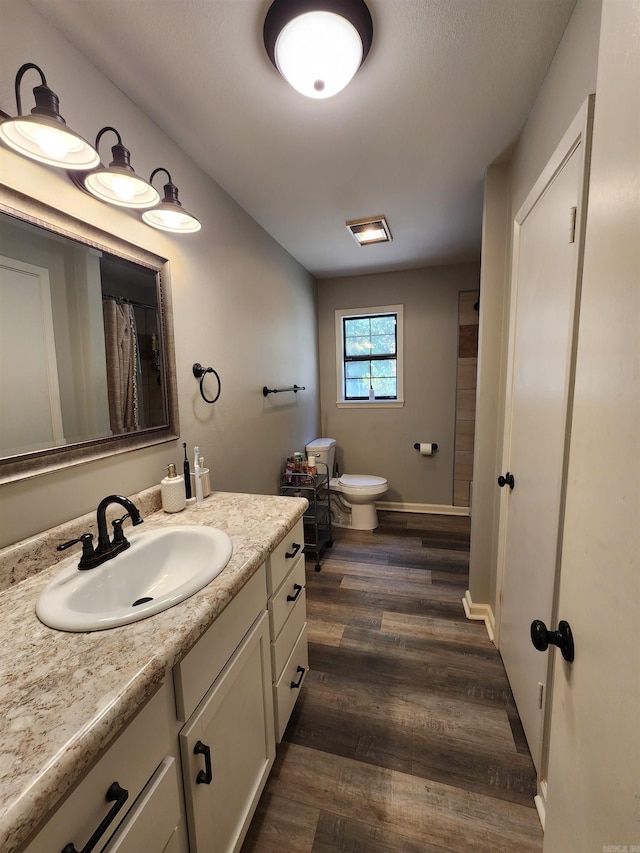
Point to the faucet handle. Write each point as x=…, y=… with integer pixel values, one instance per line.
x=118, y=533
x=87, y=547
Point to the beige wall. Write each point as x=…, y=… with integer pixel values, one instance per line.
x=241, y=303
x=570, y=79
x=490, y=384
x=381, y=441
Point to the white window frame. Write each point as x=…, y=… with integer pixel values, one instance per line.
x=341, y=313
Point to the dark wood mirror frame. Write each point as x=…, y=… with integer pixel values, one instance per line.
x=40, y=462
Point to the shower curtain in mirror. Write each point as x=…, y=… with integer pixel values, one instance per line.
x=121, y=345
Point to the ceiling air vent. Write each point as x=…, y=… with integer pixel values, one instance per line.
x=372, y=230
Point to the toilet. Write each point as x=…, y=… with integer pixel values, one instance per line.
x=358, y=492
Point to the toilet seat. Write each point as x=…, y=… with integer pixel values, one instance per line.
x=361, y=480
x=362, y=485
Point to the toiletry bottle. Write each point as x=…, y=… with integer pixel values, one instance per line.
x=206, y=480
x=172, y=488
x=197, y=474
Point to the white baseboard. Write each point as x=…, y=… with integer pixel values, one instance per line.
x=434, y=509
x=541, y=801
x=481, y=613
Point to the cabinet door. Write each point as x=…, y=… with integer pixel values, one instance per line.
x=228, y=748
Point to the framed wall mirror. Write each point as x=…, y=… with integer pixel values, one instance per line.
x=87, y=364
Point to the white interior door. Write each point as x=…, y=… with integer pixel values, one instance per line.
x=28, y=363
x=545, y=279
x=593, y=801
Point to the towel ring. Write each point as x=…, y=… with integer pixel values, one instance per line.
x=200, y=372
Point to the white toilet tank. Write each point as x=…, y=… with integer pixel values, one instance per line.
x=324, y=449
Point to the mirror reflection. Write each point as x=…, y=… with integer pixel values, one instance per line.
x=83, y=342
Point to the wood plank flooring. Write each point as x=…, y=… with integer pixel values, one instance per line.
x=405, y=736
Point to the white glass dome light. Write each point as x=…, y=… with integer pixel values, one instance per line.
x=43, y=135
x=118, y=183
x=318, y=45
x=318, y=53
x=170, y=215
x=120, y=188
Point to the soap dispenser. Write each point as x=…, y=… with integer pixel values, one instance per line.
x=173, y=494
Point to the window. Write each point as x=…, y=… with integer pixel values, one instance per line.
x=369, y=356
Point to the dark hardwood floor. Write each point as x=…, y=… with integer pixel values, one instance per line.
x=405, y=736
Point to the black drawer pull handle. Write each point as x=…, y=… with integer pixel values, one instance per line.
x=205, y=776
x=115, y=794
x=296, y=548
x=298, y=590
x=296, y=684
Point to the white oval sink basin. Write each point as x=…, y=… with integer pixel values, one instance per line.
x=161, y=568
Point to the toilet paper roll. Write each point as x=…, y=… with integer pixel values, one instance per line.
x=427, y=448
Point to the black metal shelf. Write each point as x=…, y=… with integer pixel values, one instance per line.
x=318, y=534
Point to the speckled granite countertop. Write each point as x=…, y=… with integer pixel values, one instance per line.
x=64, y=696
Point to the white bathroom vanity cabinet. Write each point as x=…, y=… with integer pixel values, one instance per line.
x=185, y=773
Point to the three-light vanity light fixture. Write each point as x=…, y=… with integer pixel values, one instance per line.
x=44, y=136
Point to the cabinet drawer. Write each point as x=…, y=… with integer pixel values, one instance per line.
x=155, y=816
x=283, y=646
x=286, y=598
x=284, y=693
x=284, y=555
x=195, y=674
x=131, y=760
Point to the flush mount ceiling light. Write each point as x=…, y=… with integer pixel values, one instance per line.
x=372, y=230
x=118, y=182
x=170, y=215
x=43, y=135
x=318, y=45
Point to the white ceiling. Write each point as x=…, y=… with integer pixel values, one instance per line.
x=445, y=90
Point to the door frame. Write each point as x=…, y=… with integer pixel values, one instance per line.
x=578, y=134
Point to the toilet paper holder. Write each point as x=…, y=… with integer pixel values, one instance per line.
x=434, y=446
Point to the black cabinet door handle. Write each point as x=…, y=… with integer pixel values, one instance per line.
x=115, y=794
x=205, y=776
x=296, y=684
x=298, y=590
x=541, y=638
x=296, y=548
x=507, y=480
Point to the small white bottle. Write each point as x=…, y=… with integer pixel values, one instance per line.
x=172, y=488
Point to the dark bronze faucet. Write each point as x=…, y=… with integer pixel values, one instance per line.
x=106, y=549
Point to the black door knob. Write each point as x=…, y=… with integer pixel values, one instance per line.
x=507, y=480
x=542, y=638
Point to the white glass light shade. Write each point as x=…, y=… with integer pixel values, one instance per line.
x=169, y=217
x=121, y=187
x=48, y=141
x=318, y=53
x=371, y=235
